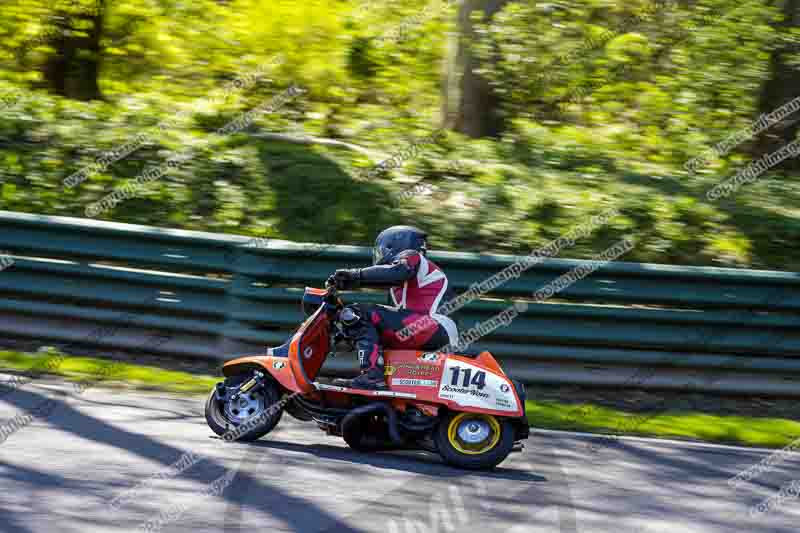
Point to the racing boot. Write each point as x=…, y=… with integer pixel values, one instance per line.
x=371, y=377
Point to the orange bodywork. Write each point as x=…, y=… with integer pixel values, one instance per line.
x=428, y=381
x=278, y=367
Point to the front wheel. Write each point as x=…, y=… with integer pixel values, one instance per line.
x=475, y=441
x=247, y=418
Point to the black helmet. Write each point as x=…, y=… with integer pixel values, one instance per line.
x=395, y=240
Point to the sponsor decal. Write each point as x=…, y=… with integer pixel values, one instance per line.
x=277, y=365
x=412, y=369
x=464, y=390
x=431, y=357
x=502, y=402
x=308, y=352
x=411, y=382
x=471, y=386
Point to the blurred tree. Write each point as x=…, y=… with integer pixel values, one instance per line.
x=783, y=84
x=469, y=104
x=73, y=68
x=55, y=45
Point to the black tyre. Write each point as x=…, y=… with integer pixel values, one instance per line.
x=473, y=440
x=250, y=417
x=370, y=435
x=296, y=411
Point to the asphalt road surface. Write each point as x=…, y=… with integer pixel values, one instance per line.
x=108, y=461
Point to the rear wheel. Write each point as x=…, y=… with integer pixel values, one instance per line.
x=250, y=416
x=475, y=441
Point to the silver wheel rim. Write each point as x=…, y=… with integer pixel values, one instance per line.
x=244, y=407
x=473, y=431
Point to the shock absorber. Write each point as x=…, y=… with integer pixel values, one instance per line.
x=253, y=384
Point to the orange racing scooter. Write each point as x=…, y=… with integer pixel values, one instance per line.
x=462, y=407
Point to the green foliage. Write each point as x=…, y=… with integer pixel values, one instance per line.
x=660, y=81
x=604, y=102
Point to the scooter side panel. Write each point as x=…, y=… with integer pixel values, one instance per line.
x=460, y=383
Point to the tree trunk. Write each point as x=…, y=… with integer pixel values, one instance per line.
x=469, y=105
x=73, y=70
x=782, y=86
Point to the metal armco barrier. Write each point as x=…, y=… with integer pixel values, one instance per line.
x=217, y=296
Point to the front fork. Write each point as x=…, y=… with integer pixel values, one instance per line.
x=252, y=384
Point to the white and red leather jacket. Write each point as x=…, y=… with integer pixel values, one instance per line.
x=417, y=284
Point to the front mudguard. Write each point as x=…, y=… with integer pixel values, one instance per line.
x=277, y=367
x=243, y=365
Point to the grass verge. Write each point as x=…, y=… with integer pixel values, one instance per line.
x=741, y=430
x=93, y=370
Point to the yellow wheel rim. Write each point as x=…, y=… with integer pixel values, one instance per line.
x=473, y=433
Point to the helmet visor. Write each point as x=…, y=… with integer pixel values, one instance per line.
x=379, y=254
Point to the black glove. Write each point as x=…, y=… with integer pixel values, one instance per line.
x=346, y=278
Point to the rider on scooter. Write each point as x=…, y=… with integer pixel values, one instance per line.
x=417, y=288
